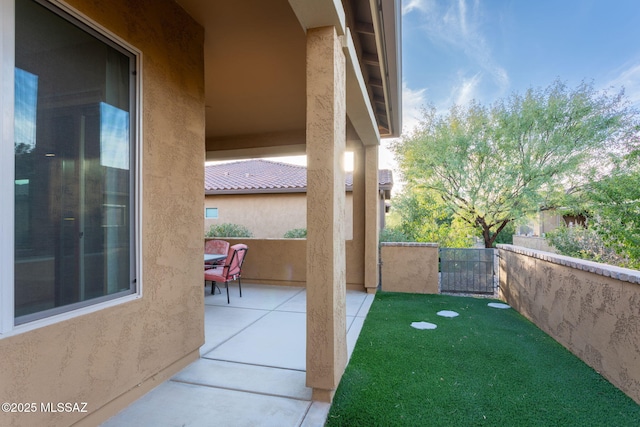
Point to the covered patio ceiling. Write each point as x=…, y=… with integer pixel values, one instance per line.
x=255, y=70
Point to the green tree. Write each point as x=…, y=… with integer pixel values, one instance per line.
x=392, y=234
x=424, y=217
x=615, y=208
x=492, y=165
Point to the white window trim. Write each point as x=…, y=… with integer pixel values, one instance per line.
x=7, y=173
x=7, y=176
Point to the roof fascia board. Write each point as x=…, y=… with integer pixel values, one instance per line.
x=348, y=189
x=392, y=16
x=255, y=191
x=386, y=23
x=382, y=55
x=359, y=107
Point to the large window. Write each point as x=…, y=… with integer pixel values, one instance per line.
x=75, y=156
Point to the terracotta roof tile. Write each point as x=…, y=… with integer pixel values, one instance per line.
x=267, y=176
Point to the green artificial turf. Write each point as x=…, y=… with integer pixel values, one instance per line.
x=485, y=367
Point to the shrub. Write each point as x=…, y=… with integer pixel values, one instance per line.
x=584, y=243
x=391, y=234
x=228, y=230
x=296, y=233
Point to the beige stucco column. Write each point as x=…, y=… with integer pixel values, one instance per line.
x=355, y=246
x=358, y=189
x=372, y=218
x=326, y=271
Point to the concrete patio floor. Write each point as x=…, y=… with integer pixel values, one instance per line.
x=251, y=370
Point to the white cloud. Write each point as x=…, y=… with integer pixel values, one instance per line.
x=466, y=91
x=462, y=13
x=459, y=26
x=421, y=5
x=412, y=103
x=629, y=79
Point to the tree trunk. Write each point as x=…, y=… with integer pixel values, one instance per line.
x=488, y=240
x=486, y=232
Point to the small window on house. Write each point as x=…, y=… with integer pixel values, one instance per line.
x=211, y=213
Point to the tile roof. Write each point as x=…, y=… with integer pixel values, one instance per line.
x=266, y=176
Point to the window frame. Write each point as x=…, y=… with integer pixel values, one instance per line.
x=8, y=326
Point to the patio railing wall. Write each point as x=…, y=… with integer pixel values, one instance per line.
x=409, y=267
x=284, y=262
x=592, y=309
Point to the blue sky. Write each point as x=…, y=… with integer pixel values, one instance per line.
x=458, y=50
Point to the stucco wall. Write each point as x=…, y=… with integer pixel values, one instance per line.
x=537, y=243
x=409, y=267
x=113, y=355
x=548, y=221
x=267, y=216
x=284, y=262
x=590, y=308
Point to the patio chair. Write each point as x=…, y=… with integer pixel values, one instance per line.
x=231, y=270
x=215, y=247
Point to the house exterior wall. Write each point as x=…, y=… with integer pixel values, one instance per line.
x=112, y=356
x=267, y=216
x=549, y=221
x=592, y=309
x=544, y=222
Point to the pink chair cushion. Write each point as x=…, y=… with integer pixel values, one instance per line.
x=232, y=266
x=215, y=274
x=235, y=263
x=216, y=247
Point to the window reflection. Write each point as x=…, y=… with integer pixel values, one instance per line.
x=114, y=137
x=26, y=97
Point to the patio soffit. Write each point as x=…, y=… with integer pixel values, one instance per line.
x=255, y=76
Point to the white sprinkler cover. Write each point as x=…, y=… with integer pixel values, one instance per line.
x=447, y=313
x=423, y=325
x=498, y=305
